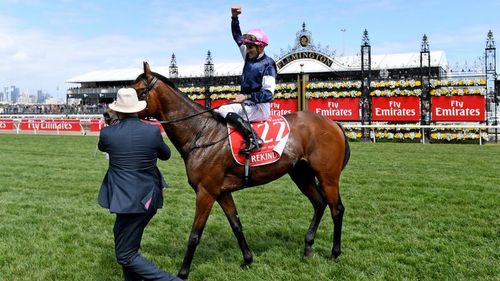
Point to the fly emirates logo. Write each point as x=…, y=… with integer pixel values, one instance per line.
x=276, y=109
x=395, y=109
x=49, y=125
x=457, y=108
x=334, y=110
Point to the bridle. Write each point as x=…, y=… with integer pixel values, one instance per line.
x=149, y=86
x=143, y=95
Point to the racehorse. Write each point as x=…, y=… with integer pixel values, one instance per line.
x=314, y=156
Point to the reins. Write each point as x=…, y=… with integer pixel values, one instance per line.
x=194, y=145
x=186, y=117
x=150, y=86
x=143, y=96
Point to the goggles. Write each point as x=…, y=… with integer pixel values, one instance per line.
x=250, y=37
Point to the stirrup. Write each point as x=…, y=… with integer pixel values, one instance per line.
x=252, y=144
x=248, y=149
x=258, y=143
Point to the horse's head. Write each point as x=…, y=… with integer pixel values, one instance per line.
x=144, y=85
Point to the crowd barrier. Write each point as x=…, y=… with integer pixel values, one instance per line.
x=55, y=124
x=92, y=124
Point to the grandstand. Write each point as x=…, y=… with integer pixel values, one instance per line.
x=364, y=90
x=319, y=64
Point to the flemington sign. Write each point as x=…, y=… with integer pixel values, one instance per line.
x=304, y=55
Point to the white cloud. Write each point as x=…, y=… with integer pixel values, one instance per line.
x=37, y=58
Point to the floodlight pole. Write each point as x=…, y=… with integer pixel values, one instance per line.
x=209, y=74
x=425, y=74
x=365, y=101
x=491, y=75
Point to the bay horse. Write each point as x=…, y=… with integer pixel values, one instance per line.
x=314, y=156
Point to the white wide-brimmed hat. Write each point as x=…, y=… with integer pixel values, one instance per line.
x=127, y=101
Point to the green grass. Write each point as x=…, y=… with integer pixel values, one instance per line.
x=413, y=212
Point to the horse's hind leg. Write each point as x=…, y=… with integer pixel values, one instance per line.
x=227, y=204
x=304, y=178
x=329, y=184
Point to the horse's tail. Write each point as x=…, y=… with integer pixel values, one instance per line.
x=347, y=150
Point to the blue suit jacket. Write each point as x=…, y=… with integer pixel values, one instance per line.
x=133, y=182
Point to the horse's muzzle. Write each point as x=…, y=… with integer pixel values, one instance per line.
x=109, y=120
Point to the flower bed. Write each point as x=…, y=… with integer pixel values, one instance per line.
x=392, y=84
x=333, y=94
x=353, y=134
x=453, y=91
x=457, y=135
x=457, y=82
x=458, y=87
x=396, y=135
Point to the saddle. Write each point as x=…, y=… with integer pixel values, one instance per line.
x=274, y=134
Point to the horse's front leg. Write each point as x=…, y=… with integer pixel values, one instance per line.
x=227, y=204
x=204, y=203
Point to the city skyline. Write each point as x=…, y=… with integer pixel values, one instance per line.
x=12, y=94
x=48, y=42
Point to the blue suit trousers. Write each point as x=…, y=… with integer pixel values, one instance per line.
x=128, y=231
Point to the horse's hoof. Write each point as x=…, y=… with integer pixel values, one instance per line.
x=248, y=260
x=308, y=253
x=183, y=275
x=335, y=255
x=245, y=265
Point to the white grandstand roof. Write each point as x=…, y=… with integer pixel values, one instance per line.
x=389, y=61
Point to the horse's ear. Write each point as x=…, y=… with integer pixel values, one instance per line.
x=147, y=70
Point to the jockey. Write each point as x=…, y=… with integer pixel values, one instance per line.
x=258, y=82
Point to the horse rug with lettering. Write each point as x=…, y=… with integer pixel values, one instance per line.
x=274, y=132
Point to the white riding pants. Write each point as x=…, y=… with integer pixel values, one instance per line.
x=255, y=112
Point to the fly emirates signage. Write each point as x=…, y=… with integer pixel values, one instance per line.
x=395, y=109
x=458, y=108
x=6, y=124
x=345, y=109
x=50, y=125
x=283, y=106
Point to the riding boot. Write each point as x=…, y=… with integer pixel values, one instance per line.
x=248, y=133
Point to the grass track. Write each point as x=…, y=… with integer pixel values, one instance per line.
x=413, y=212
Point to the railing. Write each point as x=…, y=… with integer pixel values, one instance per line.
x=426, y=129
x=369, y=131
x=51, y=116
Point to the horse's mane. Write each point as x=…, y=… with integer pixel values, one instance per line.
x=178, y=91
x=162, y=79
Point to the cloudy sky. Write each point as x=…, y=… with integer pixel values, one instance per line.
x=43, y=43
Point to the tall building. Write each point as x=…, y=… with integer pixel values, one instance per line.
x=11, y=94
x=5, y=95
x=42, y=96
